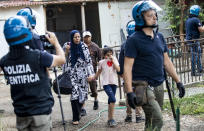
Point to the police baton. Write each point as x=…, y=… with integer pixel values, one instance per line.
x=170, y=97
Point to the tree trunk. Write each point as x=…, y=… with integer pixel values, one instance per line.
x=181, y=27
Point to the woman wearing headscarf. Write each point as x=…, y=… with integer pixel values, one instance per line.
x=81, y=70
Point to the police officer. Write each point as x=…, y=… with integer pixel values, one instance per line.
x=147, y=49
x=130, y=28
x=193, y=30
x=25, y=71
x=36, y=42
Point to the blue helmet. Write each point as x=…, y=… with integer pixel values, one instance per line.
x=27, y=12
x=130, y=28
x=140, y=7
x=195, y=10
x=16, y=31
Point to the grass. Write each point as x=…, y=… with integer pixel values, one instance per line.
x=200, y=84
x=1, y=124
x=193, y=105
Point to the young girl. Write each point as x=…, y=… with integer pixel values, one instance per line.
x=109, y=67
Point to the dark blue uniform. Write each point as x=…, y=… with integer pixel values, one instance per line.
x=149, y=57
x=36, y=43
x=121, y=59
x=192, y=25
x=192, y=32
x=30, y=85
x=148, y=54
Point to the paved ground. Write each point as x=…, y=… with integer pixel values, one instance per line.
x=7, y=120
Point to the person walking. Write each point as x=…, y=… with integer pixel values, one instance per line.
x=81, y=70
x=108, y=68
x=130, y=28
x=95, y=53
x=193, y=29
x=146, y=51
x=25, y=72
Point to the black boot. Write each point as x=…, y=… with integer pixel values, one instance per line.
x=95, y=107
x=139, y=119
x=128, y=118
x=2, y=111
x=83, y=112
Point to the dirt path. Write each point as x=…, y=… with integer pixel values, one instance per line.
x=7, y=120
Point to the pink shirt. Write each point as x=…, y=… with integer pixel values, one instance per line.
x=109, y=73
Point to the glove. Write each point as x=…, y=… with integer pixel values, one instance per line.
x=131, y=99
x=181, y=89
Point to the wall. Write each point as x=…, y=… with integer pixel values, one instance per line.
x=92, y=21
x=113, y=17
x=69, y=18
x=5, y=13
x=65, y=19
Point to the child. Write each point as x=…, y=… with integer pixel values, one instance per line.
x=109, y=67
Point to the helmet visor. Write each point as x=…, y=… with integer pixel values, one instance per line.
x=154, y=5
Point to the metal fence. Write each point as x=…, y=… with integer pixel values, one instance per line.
x=181, y=56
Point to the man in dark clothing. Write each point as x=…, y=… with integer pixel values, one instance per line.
x=25, y=71
x=130, y=28
x=95, y=53
x=146, y=54
x=36, y=42
x=193, y=30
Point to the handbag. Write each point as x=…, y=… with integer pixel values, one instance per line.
x=65, y=84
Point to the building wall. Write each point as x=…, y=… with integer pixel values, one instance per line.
x=113, y=17
x=92, y=21
x=65, y=19
x=109, y=23
x=8, y=12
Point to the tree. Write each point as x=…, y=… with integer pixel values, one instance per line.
x=177, y=12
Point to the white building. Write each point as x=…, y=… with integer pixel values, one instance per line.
x=104, y=18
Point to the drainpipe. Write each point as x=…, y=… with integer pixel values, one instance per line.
x=83, y=17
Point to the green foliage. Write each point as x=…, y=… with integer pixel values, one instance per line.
x=201, y=15
x=199, y=84
x=188, y=105
x=173, y=13
x=2, y=128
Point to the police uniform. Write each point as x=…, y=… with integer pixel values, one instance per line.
x=29, y=82
x=138, y=110
x=36, y=42
x=192, y=32
x=192, y=25
x=148, y=54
